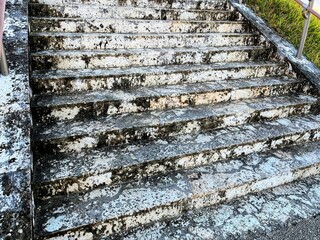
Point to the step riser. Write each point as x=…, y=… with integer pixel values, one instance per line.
x=136, y=172
x=153, y=132
x=145, y=58
x=54, y=114
x=180, y=4
x=126, y=81
x=176, y=208
x=135, y=26
x=82, y=11
x=39, y=43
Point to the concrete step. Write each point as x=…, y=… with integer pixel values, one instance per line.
x=127, y=128
x=105, y=59
x=117, y=208
x=284, y=212
x=106, y=41
x=48, y=109
x=148, y=110
x=172, y=4
x=65, y=173
x=98, y=11
x=75, y=25
x=67, y=81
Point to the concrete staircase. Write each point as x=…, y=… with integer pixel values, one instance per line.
x=149, y=115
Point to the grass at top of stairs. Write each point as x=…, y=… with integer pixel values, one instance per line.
x=285, y=16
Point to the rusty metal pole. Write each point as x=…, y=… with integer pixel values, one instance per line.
x=3, y=61
x=305, y=29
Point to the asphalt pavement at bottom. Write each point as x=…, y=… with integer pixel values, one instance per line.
x=308, y=229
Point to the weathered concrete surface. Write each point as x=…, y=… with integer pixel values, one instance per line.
x=105, y=41
x=124, y=136
x=15, y=121
x=66, y=173
x=148, y=199
x=173, y=4
x=285, y=49
x=103, y=11
x=65, y=81
x=51, y=108
x=113, y=130
x=119, y=58
x=270, y=215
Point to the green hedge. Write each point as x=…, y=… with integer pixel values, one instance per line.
x=285, y=16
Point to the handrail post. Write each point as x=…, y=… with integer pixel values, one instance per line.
x=305, y=30
x=3, y=62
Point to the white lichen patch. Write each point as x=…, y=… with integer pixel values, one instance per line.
x=65, y=113
x=78, y=236
x=55, y=224
x=80, y=144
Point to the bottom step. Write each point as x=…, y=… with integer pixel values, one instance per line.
x=121, y=207
x=285, y=212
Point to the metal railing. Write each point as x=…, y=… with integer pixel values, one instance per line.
x=307, y=13
x=3, y=61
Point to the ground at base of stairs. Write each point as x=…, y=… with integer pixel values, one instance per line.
x=307, y=229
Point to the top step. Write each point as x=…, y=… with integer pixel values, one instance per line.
x=98, y=11
x=173, y=4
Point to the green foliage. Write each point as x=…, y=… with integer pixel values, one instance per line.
x=285, y=16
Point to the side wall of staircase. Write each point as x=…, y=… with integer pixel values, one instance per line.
x=15, y=124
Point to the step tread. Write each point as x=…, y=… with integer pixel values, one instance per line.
x=126, y=12
x=173, y=4
x=254, y=172
x=75, y=53
x=165, y=117
x=137, y=20
x=102, y=7
x=135, y=25
x=92, y=73
x=90, y=162
x=155, y=91
x=106, y=41
x=98, y=12
x=256, y=216
x=80, y=35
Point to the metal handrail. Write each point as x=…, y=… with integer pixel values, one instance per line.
x=308, y=10
x=3, y=61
